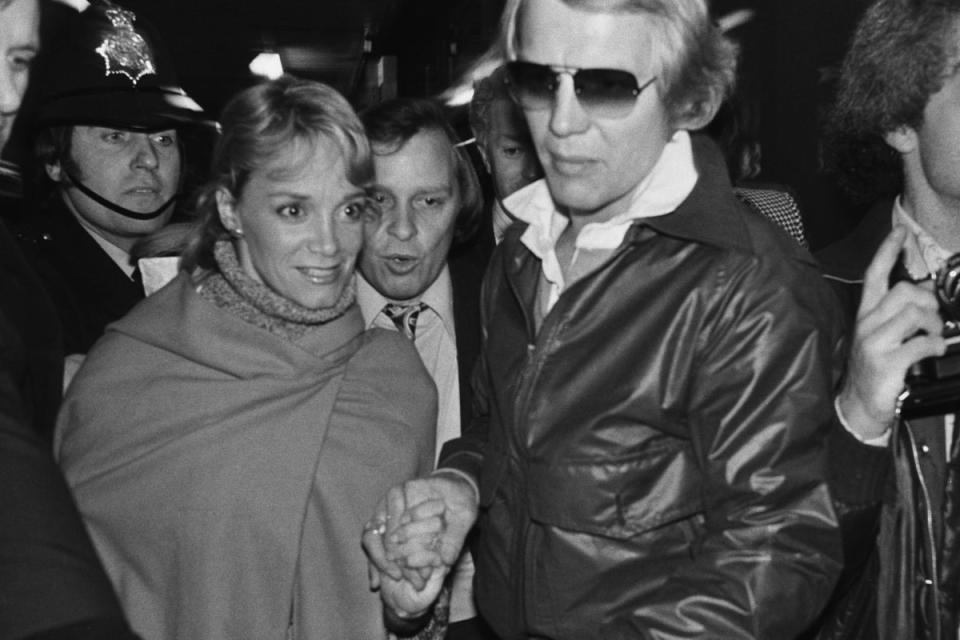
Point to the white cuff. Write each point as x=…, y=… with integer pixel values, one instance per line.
x=882, y=440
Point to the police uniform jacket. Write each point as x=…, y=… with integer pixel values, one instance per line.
x=87, y=287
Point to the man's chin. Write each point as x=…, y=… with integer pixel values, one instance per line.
x=398, y=291
x=145, y=205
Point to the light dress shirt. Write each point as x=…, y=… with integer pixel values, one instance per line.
x=436, y=342
x=666, y=186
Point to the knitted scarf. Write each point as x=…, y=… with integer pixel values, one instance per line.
x=230, y=288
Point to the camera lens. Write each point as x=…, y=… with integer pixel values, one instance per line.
x=948, y=288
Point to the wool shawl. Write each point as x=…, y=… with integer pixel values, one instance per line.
x=225, y=473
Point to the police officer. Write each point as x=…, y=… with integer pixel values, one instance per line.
x=112, y=119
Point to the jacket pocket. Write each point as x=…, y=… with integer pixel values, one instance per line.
x=617, y=499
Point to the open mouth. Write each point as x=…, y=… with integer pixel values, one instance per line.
x=400, y=264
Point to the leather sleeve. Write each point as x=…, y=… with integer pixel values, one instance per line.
x=771, y=550
x=466, y=453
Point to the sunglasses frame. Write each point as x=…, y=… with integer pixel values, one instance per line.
x=590, y=106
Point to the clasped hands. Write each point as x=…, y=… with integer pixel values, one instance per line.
x=414, y=539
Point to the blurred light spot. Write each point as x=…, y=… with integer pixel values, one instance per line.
x=79, y=5
x=267, y=64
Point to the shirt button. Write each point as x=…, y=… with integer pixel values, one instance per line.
x=924, y=450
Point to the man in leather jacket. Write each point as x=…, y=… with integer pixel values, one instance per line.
x=654, y=390
x=895, y=141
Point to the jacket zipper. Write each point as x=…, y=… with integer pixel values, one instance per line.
x=522, y=543
x=929, y=541
x=536, y=349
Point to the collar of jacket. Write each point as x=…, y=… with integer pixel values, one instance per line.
x=847, y=259
x=711, y=214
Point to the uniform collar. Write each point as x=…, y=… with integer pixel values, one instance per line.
x=120, y=257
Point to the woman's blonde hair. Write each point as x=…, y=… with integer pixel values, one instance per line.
x=261, y=123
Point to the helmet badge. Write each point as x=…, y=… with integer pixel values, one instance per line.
x=124, y=51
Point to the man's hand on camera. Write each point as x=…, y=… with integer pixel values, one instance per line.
x=896, y=327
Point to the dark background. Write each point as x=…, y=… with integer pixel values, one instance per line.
x=790, y=53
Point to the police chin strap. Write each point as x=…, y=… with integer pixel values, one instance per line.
x=96, y=197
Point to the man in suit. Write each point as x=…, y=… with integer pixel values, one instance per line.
x=111, y=122
x=428, y=199
x=51, y=583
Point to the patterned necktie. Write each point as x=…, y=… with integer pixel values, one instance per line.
x=405, y=316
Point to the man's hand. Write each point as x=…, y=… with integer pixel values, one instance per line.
x=896, y=327
x=415, y=538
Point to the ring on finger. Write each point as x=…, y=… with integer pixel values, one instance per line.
x=378, y=527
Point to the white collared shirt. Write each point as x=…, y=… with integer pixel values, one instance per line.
x=436, y=342
x=923, y=255
x=668, y=184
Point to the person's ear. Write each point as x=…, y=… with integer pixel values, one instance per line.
x=227, y=211
x=903, y=139
x=699, y=112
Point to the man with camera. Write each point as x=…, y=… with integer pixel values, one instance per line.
x=895, y=140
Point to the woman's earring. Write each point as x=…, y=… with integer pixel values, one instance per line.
x=236, y=233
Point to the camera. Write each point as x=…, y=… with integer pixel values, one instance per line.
x=933, y=384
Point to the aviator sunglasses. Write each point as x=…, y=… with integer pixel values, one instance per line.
x=603, y=93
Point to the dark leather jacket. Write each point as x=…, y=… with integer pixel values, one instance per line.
x=651, y=460
x=912, y=583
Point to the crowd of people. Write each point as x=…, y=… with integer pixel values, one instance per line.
x=328, y=386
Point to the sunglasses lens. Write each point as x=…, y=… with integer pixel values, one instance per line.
x=532, y=85
x=606, y=92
